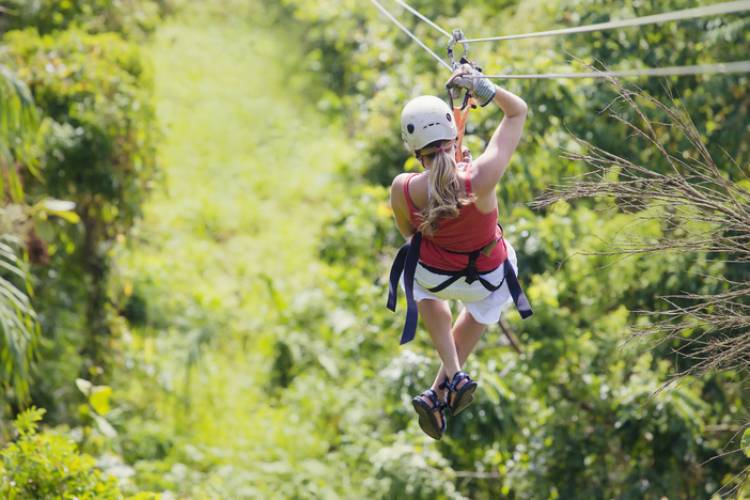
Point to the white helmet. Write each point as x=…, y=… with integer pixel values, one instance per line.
x=426, y=119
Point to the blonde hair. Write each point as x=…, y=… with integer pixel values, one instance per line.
x=444, y=194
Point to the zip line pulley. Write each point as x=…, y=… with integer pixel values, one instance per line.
x=460, y=113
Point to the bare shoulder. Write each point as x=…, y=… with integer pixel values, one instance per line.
x=397, y=187
x=399, y=180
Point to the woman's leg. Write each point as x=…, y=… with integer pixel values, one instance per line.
x=466, y=334
x=436, y=316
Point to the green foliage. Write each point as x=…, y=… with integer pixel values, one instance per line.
x=254, y=356
x=350, y=239
x=47, y=465
x=19, y=330
x=399, y=472
x=129, y=17
x=19, y=126
x=99, y=132
x=95, y=88
x=574, y=416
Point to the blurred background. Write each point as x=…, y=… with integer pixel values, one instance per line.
x=196, y=238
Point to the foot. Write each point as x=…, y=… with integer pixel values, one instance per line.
x=460, y=392
x=431, y=413
x=439, y=415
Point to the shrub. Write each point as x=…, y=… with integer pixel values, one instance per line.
x=96, y=90
x=49, y=466
x=129, y=17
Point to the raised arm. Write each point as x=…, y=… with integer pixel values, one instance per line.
x=491, y=165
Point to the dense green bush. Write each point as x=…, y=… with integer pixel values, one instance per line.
x=95, y=89
x=129, y=17
x=19, y=331
x=94, y=94
x=76, y=124
x=48, y=465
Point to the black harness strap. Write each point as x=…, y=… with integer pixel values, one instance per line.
x=406, y=262
x=470, y=272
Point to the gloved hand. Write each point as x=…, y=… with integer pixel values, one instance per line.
x=482, y=89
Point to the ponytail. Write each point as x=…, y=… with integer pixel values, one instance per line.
x=444, y=196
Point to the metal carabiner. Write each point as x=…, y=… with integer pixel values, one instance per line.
x=461, y=114
x=458, y=37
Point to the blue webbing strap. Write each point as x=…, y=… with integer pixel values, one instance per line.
x=519, y=298
x=396, y=269
x=406, y=262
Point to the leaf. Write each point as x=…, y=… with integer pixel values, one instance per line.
x=58, y=205
x=84, y=386
x=26, y=421
x=59, y=208
x=18, y=327
x=99, y=399
x=745, y=442
x=104, y=426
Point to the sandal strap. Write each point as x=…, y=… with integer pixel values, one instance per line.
x=444, y=383
x=433, y=397
x=457, y=378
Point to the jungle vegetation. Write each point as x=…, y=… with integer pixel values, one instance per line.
x=196, y=239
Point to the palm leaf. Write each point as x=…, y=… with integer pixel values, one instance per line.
x=19, y=128
x=19, y=330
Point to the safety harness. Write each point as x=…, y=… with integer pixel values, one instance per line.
x=470, y=272
x=406, y=262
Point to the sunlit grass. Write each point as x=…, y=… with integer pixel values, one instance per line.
x=249, y=179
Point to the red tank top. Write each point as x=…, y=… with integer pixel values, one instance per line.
x=470, y=231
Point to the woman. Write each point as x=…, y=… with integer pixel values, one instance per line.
x=455, y=249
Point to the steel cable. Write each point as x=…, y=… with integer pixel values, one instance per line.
x=679, y=15
x=422, y=17
x=723, y=68
x=411, y=35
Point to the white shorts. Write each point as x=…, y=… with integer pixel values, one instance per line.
x=484, y=306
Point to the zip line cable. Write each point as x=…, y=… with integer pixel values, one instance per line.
x=723, y=68
x=679, y=15
x=421, y=16
x=411, y=35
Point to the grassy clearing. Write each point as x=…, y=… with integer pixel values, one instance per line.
x=249, y=179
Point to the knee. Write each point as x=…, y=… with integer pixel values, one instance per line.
x=436, y=310
x=473, y=322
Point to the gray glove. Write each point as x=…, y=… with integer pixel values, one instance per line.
x=480, y=87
